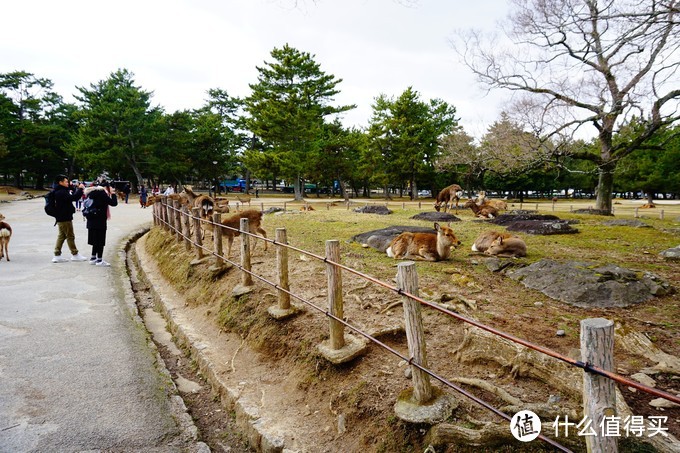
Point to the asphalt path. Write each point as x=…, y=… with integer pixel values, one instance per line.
x=76, y=369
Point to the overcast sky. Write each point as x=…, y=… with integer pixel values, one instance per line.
x=180, y=48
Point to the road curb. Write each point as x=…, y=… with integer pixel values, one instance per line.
x=124, y=268
x=248, y=418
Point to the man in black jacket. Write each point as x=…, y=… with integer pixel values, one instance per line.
x=64, y=203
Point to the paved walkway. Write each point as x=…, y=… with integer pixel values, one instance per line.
x=76, y=371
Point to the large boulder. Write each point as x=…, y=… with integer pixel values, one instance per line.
x=671, y=254
x=373, y=209
x=434, y=216
x=635, y=223
x=531, y=223
x=592, y=211
x=590, y=285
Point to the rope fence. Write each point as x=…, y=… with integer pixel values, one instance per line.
x=597, y=335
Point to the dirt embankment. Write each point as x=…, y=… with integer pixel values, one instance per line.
x=272, y=368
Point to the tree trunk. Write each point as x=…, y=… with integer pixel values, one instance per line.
x=605, y=186
x=298, y=189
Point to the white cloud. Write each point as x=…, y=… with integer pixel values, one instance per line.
x=179, y=48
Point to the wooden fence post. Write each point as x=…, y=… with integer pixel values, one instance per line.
x=637, y=216
x=170, y=217
x=334, y=277
x=423, y=403
x=164, y=213
x=178, y=220
x=246, y=278
x=217, y=239
x=661, y=215
x=186, y=227
x=339, y=348
x=282, y=268
x=407, y=280
x=599, y=392
x=155, y=213
x=198, y=230
x=283, y=309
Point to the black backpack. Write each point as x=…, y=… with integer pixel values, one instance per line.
x=89, y=209
x=50, y=204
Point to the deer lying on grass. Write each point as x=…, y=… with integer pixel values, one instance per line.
x=446, y=196
x=511, y=247
x=482, y=200
x=424, y=246
x=484, y=211
x=231, y=225
x=486, y=238
x=5, y=235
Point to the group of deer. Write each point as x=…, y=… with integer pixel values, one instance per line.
x=230, y=226
x=437, y=246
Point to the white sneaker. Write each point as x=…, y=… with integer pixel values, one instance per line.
x=93, y=260
x=78, y=257
x=59, y=259
x=102, y=263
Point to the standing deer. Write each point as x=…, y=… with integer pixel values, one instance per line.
x=5, y=235
x=424, y=246
x=447, y=195
x=231, y=226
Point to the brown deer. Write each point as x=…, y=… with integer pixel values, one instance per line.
x=424, y=246
x=232, y=224
x=447, y=195
x=243, y=199
x=205, y=202
x=482, y=200
x=485, y=211
x=485, y=239
x=511, y=247
x=5, y=236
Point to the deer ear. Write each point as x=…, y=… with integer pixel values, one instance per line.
x=436, y=226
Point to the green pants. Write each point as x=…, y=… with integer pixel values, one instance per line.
x=65, y=234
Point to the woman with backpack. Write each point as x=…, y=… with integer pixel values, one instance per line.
x=97, y=214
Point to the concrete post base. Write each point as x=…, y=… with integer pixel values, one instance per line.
x=354, y=347
x=438, y=409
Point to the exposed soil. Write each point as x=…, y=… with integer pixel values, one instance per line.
x=315, y=406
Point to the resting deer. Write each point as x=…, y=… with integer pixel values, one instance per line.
x=484, y=211
x=231, y=226
x=485, y=239
x=5, y=235
x=447, y=195
x=482, y=200
x=424, y=246
x=511, y=247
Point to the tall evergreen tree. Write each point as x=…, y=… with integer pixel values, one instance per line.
x=407, y=132
x=116, y=127
x=287, y=110
x=34, y=123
